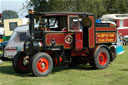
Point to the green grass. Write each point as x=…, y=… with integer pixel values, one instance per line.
x=115, y=74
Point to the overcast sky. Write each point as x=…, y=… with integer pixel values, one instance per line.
x=15, y=5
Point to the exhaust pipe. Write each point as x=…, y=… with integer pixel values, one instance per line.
x=31, y=23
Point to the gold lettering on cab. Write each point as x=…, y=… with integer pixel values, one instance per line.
x=105, y=37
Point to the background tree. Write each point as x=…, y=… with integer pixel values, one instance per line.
x=39, y=5
x=115, y=6
x=9, y=14
x=97, y=7
x=1, y=21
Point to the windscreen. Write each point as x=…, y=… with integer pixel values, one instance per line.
x=54, y=23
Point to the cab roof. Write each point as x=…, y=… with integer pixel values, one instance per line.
x=62, y=13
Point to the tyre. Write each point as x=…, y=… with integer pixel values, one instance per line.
x=2, y=57
x=18, y=63
x=113, y=52
x=101, y=59
x=42, y=64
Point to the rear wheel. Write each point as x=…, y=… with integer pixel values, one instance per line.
x=113, y=52
x=101, y=58
x=42, y=64
x=21, y=63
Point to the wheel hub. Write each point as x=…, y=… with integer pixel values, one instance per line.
x=102, y=58
x=42, y=65
x=25, y=62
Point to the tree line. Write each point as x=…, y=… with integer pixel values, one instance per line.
x=97, y=7
x=7, y=14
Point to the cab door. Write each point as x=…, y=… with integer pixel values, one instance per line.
x=74, y=26
x=58, y=37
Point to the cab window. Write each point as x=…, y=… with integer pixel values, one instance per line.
x=73, y=23
x=53, y=23
x=20, y=37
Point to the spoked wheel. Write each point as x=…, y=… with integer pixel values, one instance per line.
x=101, y=58
x=113, y=52
x=42, y=64
x=21, y=63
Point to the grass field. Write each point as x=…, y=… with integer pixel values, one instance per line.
x=115, y=74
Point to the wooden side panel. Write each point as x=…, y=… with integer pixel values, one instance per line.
x=61, y=39
x=106, y=37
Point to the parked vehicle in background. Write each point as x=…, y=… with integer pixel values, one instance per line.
x=1, y=32
x=11, y=24
x=1, y=29
x=121, y=20
x=16, y=42
x=3, y=44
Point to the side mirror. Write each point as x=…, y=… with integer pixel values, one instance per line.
x=86, y=22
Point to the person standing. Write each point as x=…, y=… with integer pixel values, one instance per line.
x=122, y=39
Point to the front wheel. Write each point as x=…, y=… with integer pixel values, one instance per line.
x=42, y=64
x=101, y=58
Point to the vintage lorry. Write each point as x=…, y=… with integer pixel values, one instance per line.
x=65, y=39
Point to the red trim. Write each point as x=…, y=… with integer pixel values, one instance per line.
x=105, y=28
x=79, y=40
x=42, y=65
x=102, y=58
x=56, y=61
x=10, y=49
x=91, y=32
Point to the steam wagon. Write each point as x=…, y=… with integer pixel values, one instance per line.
x=65, y=38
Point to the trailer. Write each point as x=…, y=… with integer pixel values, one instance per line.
x=65, y=38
